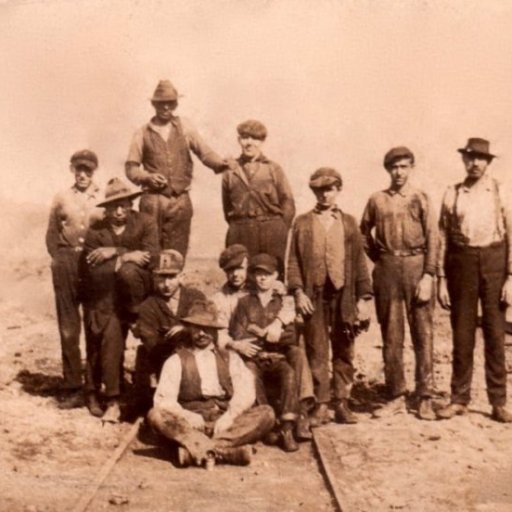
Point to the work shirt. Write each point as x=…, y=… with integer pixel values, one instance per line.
x=404, y=224
x=71, y=214
x=257, y=189
x=244, y=392
x=476, y=215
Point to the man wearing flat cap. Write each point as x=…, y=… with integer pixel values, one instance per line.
x=159, y=161
x=475, y=263
x=72, y=211
x=205, y=398
x=120, y=251
x=257, y=198
x=328, y=275
x=400, y=237
x=159, y=321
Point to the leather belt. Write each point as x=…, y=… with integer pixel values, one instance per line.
x=405, y=253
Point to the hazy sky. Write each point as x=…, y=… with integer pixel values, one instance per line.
x=336, y=82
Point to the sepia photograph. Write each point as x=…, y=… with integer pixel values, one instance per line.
x=256, y=256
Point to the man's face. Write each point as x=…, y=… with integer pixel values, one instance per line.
x=117, y=213
x=327, y=196
x=202, y=336
x=83, y=176
x=164, y=110
x=251, y=147
x=475, y=165
x=166, y=284
x=399, y=172
x=264, y=280
x=237, y=276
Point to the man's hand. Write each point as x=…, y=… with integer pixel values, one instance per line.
x=155, y=181
x=245, y=347
x=303, y=303
x=230, y=163
x=363, y=310
x=173, y=331
x=442, y=293
x=274, y=331
x=424, y=289
x=100, y=255
x=506, y=291
x=140, y=258
x=222, y=424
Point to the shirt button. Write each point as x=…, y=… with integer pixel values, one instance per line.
x=81, y=240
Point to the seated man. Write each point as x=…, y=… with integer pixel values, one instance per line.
x=158, y=325
x=282, y=358
x=118, y=254
x=204, y=400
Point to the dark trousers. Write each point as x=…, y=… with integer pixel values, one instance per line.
x=248, y=427
x=105, y=336
x=472, y=274
x=395, y=279
x=133, y=286
x=324, y=330
x=173, y=216
x=260, y=235
x=64, y=267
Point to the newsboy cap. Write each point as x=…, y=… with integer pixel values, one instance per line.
x=170, y=262
x=252, y=128
x=477, y=146
x=397, y=153
x=264, y=262
x=84, y=157
x=165, y=91
x=233, y=256
x=325, y=177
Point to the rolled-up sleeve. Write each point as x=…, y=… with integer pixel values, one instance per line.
x=244, y=389
x=133, y=168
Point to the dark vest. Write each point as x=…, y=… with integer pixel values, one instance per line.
x=190, y=386
x=171, y=159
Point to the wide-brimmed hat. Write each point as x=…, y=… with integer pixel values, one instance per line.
x=233, y=256
x=116, y=190
x=203, y=313
x=477, y=146
x=397, y=153
x=264, y=262
x=84, y=157
x=170, y=262
x=325, y=177
x=165, y=91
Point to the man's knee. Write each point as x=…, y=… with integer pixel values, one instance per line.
x=129, y=272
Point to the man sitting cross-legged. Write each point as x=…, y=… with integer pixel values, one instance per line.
x=205, y=396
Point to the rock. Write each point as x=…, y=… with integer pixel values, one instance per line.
x=434, y=437
x=117, y=499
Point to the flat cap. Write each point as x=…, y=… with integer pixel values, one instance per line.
x=170, y=262
x=325, y=177
x=263, y=261
x=252, y=128
x=233, y=256
x=397, y=153
x=85, y=157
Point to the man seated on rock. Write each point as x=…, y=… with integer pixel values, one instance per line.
x=280, y=358
x=119, y=251
x=205, y=398
x=234, y=260
x=158, y=326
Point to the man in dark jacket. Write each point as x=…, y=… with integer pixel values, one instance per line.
x=328, y=275
x=119, y=252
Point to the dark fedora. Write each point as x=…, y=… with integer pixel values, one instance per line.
x=116, y=190
x=165, y=91
x=477, y=146
x=203, y=313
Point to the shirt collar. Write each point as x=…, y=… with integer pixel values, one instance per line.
x=92, y=191
x=242, y=159
x=209, y=348
x=230, y=290
x=485, y=182
x=404, y=191
x=155, y=127
x=334, y=211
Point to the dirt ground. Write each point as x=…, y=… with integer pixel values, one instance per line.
x=50, y=456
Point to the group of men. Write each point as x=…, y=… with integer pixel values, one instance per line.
x=255, y=361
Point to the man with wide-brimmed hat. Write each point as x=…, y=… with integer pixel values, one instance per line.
x=257, y=199
x=475, y=264
x=120, y=251
x=72, y=211
x=159, y=161
x=205, y=397
x=400, y=236
x=159, y=321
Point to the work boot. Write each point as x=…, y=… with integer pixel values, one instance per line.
x=113, y=412
x=499, y=413
x=271, y=438
x=343, y=414
x=320, y=416
x=451, y=410
x=288, y=443
x=91, y=401
x=302, y=428
x=425, y=411
x=73, y=400
x=392, y=408
x=238, y=456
